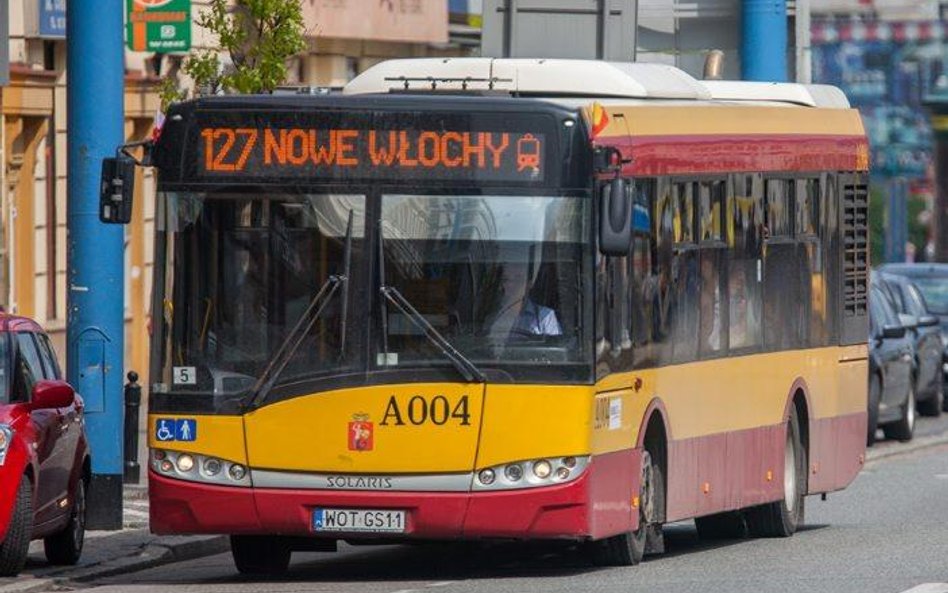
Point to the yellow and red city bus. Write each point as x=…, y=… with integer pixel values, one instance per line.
x=529, y=299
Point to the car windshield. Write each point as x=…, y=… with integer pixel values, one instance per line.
x=935, y=291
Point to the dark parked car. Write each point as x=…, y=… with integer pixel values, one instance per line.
x=932, y=281
x=891, y=392
x=924, y=329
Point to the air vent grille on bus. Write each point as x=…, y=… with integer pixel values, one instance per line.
x=855, y=238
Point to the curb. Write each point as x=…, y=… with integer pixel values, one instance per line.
x=877, y=454
x=159, y=552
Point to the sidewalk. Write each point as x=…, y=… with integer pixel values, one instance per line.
x=108, y=553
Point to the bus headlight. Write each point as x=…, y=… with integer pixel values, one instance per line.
x=185, y=463
x=531, y=473
x=198, y=468
x=486, y=476
x=513, y=472
x=6, y=439
x=542, y=469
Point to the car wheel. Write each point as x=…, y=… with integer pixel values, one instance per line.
x=16, y=544
x=260, y=555
x=932, y=406
x=65, y=547
x=904, y=429
x=627, y=549
x=783, y=517
x=872, y=426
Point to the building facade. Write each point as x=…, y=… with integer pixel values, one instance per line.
x=344, y=37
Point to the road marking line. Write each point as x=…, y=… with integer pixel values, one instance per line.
x=929, y=588
x=441, y=584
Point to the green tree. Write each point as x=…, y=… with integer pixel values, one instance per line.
x=257, y=35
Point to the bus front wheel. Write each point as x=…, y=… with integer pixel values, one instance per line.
x=627, y=549
x=260, y=555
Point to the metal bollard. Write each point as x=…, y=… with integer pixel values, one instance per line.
x=133, y=401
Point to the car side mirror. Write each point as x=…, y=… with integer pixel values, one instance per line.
x=893, y=331
x=908, y=321
x=615, y=218
x=927, y=321
x=52, y=394
x=116, y=189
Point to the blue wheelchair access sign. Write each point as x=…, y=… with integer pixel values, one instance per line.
x=175, y=429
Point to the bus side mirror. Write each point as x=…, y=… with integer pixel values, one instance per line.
x=116, y=190
x=615, y=218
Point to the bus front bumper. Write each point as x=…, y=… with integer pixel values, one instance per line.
x=596, y=505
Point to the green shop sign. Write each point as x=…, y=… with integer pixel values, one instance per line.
x=158, y=25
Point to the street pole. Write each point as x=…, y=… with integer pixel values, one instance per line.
x=764, y=40
x=95, y=296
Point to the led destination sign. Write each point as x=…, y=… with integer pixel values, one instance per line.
x=369, y=153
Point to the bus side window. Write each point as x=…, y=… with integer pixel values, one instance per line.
x=810, y=251
x=782, y=318
x=712, y=263
x=684, y=275
x=746, y=225
x=645, y=299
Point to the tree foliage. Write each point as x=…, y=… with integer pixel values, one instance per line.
x=257, y=35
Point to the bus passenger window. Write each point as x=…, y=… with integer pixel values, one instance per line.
x=710, y=206
x=684, y=213
x=778, y=208
x=813, y=281
x=746, y=218
x=806, y=205
x=645, y=295
x=684, y=276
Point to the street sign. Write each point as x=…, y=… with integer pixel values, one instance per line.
x=52, y=19
x=161, y=26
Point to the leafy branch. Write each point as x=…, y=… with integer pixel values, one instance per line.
x=257, y=35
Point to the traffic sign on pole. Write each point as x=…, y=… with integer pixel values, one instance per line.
x=161, y=26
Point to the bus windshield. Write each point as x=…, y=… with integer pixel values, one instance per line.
x=501, y=278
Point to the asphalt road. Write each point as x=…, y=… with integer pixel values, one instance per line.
x=888, y=532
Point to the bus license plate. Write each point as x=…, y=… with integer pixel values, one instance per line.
x=361, y=520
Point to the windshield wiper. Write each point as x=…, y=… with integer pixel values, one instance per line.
x=344, y=314
x=467, y=368
x=304, y=324
x=293, y=339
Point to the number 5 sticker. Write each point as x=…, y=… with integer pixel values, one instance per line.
x=184, y=375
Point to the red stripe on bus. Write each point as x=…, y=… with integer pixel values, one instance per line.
x=671, y=155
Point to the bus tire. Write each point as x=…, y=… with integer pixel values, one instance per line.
x=627, y=549
x=260, y=554
x=904, y=428
x=873, y=409
x=16, y=543
x=729, y=525
x=782, y=518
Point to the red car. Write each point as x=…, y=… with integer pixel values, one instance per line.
x=44, y=456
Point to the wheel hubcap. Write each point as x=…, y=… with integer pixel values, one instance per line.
x=645, y=499
x=910, y=410
x=790, y=473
